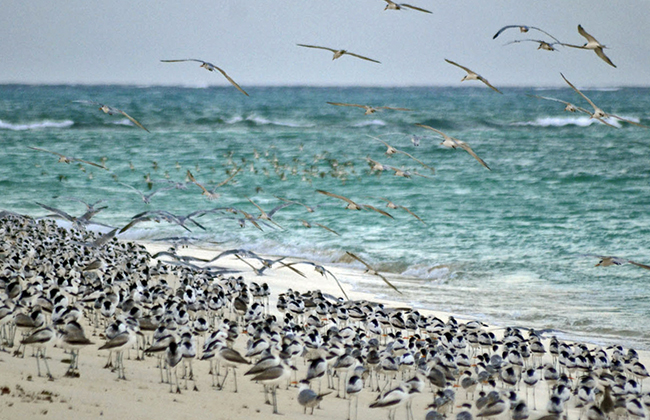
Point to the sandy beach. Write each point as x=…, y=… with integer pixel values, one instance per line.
x=97, y=391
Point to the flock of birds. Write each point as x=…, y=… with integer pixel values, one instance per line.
x=57, y=284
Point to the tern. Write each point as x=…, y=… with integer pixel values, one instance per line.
x=598, y=113
x=569, y=107
x=211, y=194
x=68, y=159
x=591, y=44
x=369, y=109
x=113, y=111
x=209, y=67
x=339, y=53
x=401, y=6
x=372, y=271
x=524, y=29
x=543, y=45
x=354, y=206
x=609, y=260
x=455, y=143
x=390, y=150
x=471, y=75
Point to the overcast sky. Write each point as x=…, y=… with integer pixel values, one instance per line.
x=254, y=41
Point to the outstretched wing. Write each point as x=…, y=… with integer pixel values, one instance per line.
x=133, y=120
x=458, y=65
x=484, y=80
x=469, y=150
x=315, y=46
x=414, y=8
x=362, y=57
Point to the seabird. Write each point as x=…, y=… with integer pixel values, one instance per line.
x=400, y=6
x=209, y=67
x=471, y=75
x=113, y=111
x=369, y=109
x=591, y=44
x=455, y=143
x=339, y=53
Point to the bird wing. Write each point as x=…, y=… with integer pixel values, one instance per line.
x=133, y=120
x=469, y=150
x=362, y=57
x=433, y=129
x=326, y=228
x=372, y=269
x=412, y=214
x=315, y=46
x=627, y=121
x=484, y=80
x=47, y=151
x=414, y=8
x=584, y=33
x=647, y=267
x=222, y=183
x=600, y=53
x=581, y=94
x=380, y=211
x=458, y=65
x=183, y=59
x=91, y=163
x=342, y=104
x=417, y=160
x=394, y=108
x=57, y=211
x=506, y=27
x=230, y=80
x=340, y=197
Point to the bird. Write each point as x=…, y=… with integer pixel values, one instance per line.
x=523, y=29
x=308, y=398
x=569, y=107
x=399, y=6
x=41, y=339
x=68, y=159
x=608, y=260
x=354, y=206
x=543, y=45
x=455, y=143
x=210, y=67
x=271, y=377
x=211, y=194
x=113, y=111
x=372, y=271
x=392, y=205
x=229, y=358
x=598, y=113
x=369, y=109
x=352, y=389
x=309, y=225
x=146, y=198
x=471, y=75
x=390, y=150
x=339, y=53
x=123, y=341
x=591, y=44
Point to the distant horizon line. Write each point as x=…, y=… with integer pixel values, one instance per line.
x=314, y=86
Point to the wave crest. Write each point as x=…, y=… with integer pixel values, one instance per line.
x=35, y=126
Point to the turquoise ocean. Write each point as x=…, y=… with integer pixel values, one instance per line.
x=514, y=245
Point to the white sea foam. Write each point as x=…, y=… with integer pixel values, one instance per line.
x=566, y=121
x=35, y=126
x=370, y=122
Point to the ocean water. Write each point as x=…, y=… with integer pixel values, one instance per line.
x=510, y=246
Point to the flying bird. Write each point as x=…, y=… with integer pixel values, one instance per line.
x=211, y=194
x=400, y=6
x=369, y=109
x=598, y=113
x=471, y=75
x=591, y=44
x=372, y=271
x=524, y=29
x=68, y=159
x=390, y=150
x=339, y=53
x=568, y=105
x=354, y=206
x=392, y=205
x=209, y=67
x=455, y=143
x=608, y=260
x=543, y=45
x=113, y=111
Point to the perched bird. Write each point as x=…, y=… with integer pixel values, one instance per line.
x=113, y=111
x=209, y=67
x=339, y=53
x=455, y=143
x=591, y=44
x=309, y=398
x=471, y=75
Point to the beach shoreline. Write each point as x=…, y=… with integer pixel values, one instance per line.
x=97, y=392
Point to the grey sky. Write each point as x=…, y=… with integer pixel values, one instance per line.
x=254, y=41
